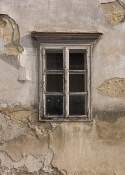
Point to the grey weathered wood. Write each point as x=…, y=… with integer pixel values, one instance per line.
x=66, y=82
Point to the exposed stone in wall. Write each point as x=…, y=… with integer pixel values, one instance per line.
x=114, y=87
x=10, y=32
x=114, y=11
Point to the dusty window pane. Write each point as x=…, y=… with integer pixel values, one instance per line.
x=76, y=83
x=54, y=83
x=54, y=105
x=77, y=105
x=76, y=60
x=54, y=59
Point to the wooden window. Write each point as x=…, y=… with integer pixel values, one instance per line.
x=65, y=76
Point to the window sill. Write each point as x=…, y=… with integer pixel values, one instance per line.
x=69, y=119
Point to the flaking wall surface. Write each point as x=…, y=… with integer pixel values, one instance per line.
x=30, y=147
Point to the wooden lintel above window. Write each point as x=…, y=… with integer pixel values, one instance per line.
x=66, y=37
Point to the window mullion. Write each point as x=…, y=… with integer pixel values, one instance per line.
x=88, y=63
x=66, y=82
x=44, y=81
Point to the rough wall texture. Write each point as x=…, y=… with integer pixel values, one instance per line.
x=114, y=11
x=64, y=149
x=10, y=32
x=30, y=147
x=114, y=87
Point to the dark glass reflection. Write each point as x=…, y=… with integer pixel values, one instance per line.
x=54, y=105
x=76, y=61
x=54, y=83
x=77, y=105
x=76, y=83
x=54, y=60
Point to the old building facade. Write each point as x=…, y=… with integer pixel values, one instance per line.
x=29, y=145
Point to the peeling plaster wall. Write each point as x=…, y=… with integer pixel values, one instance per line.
x=75, y=148
x=30, y=147
x=114, y=87
x=114, y=11
x=10, y=32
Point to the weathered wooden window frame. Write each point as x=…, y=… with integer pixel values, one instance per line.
x=64, y=41
x=66, y=116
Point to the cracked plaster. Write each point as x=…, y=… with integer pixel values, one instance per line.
x=49, y=152
x=10, y=32
x=29, y=165
x=66, y=148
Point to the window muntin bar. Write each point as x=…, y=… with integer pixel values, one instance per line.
x=66, y=82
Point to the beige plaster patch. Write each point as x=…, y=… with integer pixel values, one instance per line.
x=11, y=34
x=114, y=11
x=81, y=149
x=18, y=113
x=114, y=87
x=27, y=164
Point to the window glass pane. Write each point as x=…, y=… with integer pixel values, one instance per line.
x=54, y=59
x=77, y=83
x=77, y=105
x=54, y=105
x=76, y=60
x=54, y=83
